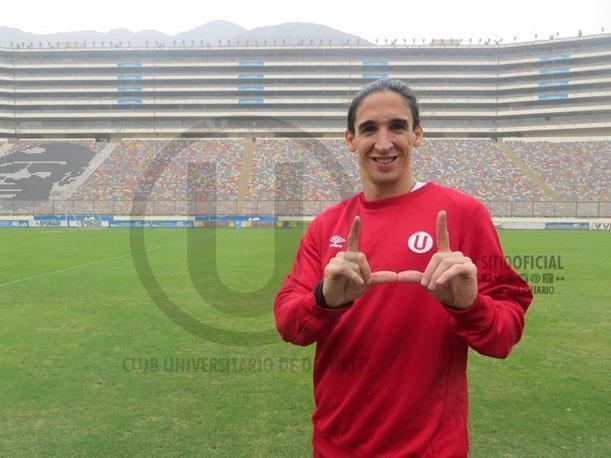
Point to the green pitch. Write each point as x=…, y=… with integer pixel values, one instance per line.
x=162, y=343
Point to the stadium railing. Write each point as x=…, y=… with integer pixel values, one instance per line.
x=278, y=207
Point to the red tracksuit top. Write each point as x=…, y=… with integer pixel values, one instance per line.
x=390, y=369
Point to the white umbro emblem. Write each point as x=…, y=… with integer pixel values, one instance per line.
x=420, y=242
x=337, y=241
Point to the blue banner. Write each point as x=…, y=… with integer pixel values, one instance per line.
x=13, y=223
x=375, y=76
x=253, y=63
x=554, y=58
x=225, y=218
x=252, y=101
x=130, y=101
x=129, y=77
x=553, y=96
x=71, y=217
x=554, y=71
x=130, y=224
x=553, y=83
x=568, y=226
x=244, y=76
x=129, y=65
x=373, y=63
x=172, y=224
x=250, y=88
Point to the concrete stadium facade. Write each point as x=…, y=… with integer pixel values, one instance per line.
x=555, y=87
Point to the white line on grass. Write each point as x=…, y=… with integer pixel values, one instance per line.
x=85, y=264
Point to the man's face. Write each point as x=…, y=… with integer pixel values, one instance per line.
x=383, y=141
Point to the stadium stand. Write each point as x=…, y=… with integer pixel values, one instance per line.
x=167, y=170
x=266, y=125
x=32, y=171
x=577, y=171
x=313, y=172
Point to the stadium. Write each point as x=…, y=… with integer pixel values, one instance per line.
x=229, y=150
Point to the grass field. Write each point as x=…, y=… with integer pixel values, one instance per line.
x=105, y=352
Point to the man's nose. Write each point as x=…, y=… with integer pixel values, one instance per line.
x=383, y=140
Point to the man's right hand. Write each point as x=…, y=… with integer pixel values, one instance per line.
x=347, y=276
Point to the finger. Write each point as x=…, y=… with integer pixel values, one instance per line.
x=433, y=265
x=409, y=276
x=348, y=271
x=354, y=276
x=383, y=276
x=443, y=238
x=353, y=235
x=358, y=261
x=364, y=266
x=467, y=268
x=430, y=269
x=444, y=266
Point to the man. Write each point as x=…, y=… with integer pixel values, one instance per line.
x=386, y=283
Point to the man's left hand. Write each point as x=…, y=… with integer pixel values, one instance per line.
x=450, y=276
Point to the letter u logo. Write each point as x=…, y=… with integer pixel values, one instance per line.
x=420, y=242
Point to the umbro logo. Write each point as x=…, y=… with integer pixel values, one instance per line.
x=337, y=242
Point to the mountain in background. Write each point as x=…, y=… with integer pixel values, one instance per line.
x=293, y=33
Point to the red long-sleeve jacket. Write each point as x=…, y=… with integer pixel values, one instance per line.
x=390, y=370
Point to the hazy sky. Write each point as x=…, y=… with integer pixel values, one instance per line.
x=368, y=19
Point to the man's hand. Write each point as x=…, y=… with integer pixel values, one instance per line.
x=347, y=276
x=450, y=276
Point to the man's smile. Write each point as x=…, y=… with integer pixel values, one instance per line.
x=384, y=159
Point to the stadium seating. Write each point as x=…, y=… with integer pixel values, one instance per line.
x=577, y=171
x=167, y=170
x=31, y=170
x=313, y=171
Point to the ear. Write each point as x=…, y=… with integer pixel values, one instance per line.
x=419, y=135
x=349, y=138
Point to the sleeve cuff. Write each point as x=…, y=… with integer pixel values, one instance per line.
x=468, y=311
x=321, y=303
